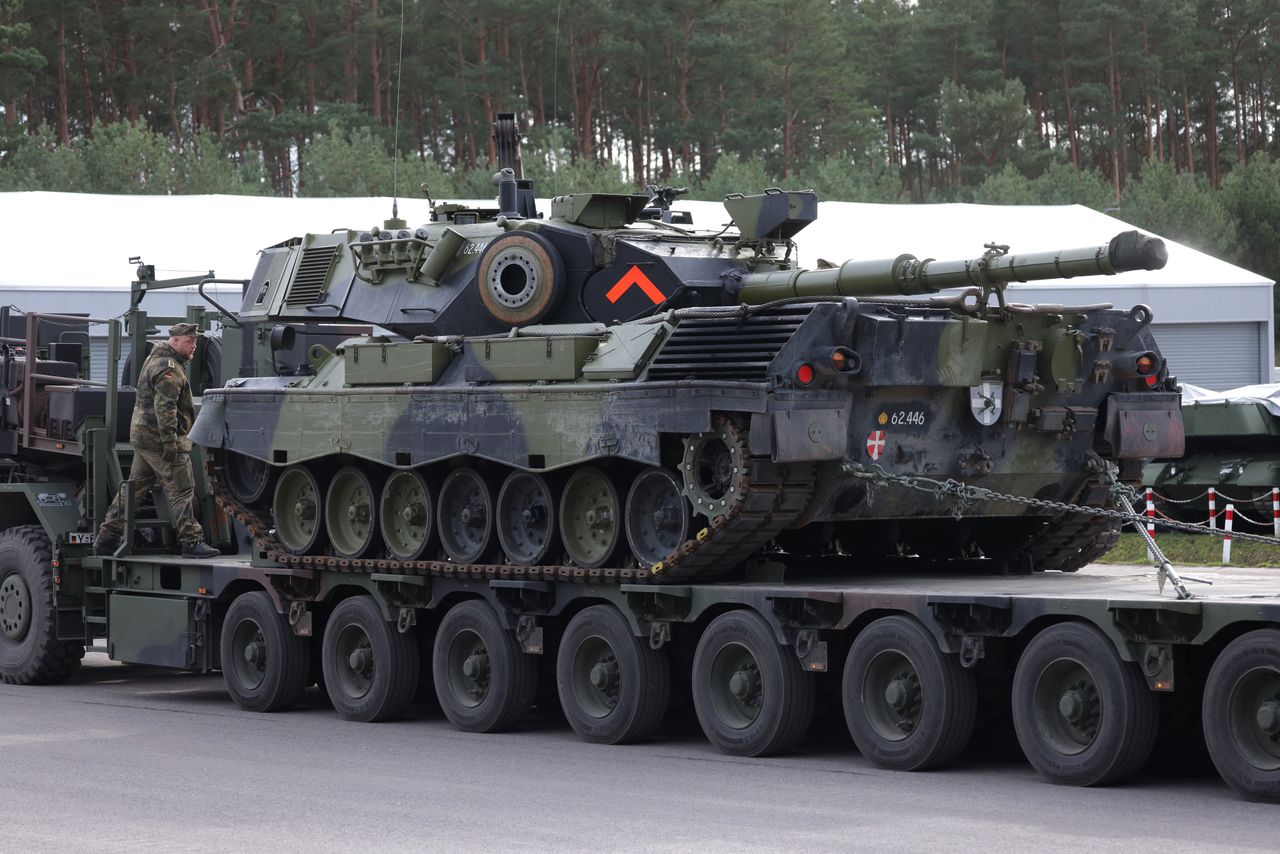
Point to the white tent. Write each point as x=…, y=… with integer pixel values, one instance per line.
x=70, y=252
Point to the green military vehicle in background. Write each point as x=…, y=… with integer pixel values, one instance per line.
x=610, y=451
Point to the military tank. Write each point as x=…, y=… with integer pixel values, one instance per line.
x=1230, y=447
x=606, y=394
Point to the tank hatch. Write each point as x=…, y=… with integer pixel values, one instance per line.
x=598, y=210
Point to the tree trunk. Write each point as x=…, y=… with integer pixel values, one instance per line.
x=64, y=132
x=87, y=89
x=1211, y=136
x=1066, y=92
x=375, y=64
x=1186, y=127
x=353, y=92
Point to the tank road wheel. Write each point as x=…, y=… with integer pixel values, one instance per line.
x=613, y=687
x=715, y=468
x=1241, y=714
x=1083, y=716
x=349, y=512
x=265, y=665
x=248, y=478
x=464, y=516
x=483, y=681
x=909, y=706
x=30, y=652
x=521, y=278
x=298, y=509
x=591, y=518
x=406, y=516
x=658, y=518
x=370, y=669
x=751, y=695
x=526, y=518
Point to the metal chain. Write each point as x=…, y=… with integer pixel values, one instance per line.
x=967, y=492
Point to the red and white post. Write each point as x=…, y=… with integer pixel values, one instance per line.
x=1275, y=512
x=1151, y=519
x=1226, y=541
x=1213, y=508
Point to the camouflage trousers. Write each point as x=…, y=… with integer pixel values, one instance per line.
x=179, y=487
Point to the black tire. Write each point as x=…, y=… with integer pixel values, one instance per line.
x=614, y=688
x=484, y=682
x=1241, y=715
x=1113, y=724
x=751, y=694
x=371, y=670
x=265, y=666
x=30, y=652
x=909, y=706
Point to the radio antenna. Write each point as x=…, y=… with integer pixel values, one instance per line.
x=395, y=154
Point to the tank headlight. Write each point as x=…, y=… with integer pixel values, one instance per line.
x=804, y=374
x=844, y=360
x=1146, y=365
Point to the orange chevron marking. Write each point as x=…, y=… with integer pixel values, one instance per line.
x=635, y=276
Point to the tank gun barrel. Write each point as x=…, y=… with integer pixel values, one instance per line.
x=909, y=275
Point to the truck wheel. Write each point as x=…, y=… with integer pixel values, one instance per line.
x=1241, y=714
x=613, y=687
x=370, y=669
x=1084, y=717
x=265, y=665
x=751, y=695
x=909, y=706
x=30, y=652
x=483, y=680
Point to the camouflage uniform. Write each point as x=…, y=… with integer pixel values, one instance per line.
x=162, y=415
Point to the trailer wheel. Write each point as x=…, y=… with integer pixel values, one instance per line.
x=30, y=652
x=370, y=669
x=1241, y=714
x=909, y=706
x=751, y=695
x=484, y=682
x=614, y=688
x=265, y=666
x=1083, y=716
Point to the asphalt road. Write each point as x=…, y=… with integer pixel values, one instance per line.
x=128, y=758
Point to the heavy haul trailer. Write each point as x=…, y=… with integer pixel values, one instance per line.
x=1098, y=663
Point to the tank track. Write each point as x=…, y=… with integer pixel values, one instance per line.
x=773, y=498
x=1071, y=541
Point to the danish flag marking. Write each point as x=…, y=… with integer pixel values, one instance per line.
x=875, y=444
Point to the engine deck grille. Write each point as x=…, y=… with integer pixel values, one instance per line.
x=727, y=348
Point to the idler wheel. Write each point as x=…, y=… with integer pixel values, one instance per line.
x=526, y=518
x=265, y=666
x=406, y=516
x=464, y=516
x=1241, y=714
x=351, y=514
x=658, y=517
x=248, y=478
x=521, y=278
x=1084, y=716
x=371, y=669
x=613, y=687
x=298, y=509
x=714, y=468
x=908, y=705
x=591, y=518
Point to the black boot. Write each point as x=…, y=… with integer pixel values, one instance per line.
x=199, y=549
x=105, y=546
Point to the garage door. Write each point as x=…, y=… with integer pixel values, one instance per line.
x=1219, y=356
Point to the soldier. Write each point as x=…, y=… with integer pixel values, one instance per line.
x=162, y=415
